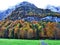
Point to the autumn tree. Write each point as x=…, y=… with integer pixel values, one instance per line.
x=50, y=29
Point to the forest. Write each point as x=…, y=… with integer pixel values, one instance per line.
x=20, y=29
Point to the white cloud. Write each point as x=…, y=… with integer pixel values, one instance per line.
x=4, y=4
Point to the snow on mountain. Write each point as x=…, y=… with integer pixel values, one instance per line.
x=54, y=8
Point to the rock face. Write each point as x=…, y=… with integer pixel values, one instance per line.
x=30, y=12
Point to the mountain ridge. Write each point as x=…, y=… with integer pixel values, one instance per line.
x=28, y=10
x=54, y=8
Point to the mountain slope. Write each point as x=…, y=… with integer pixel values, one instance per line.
x=30, y=12
x=27, y=9
x=53, y=8
x=5, y=13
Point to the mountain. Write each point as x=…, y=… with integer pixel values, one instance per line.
x=4, y=14
x=29, y=12
x=26, y=21
x=51, y=19
x=53, y=8
x=25, y=3
x=25, y=9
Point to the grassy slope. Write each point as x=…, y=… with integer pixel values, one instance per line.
x=18, y=42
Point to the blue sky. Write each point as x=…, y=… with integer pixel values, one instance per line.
x=4, y=4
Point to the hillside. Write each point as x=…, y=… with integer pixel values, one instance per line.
x=27, y=10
